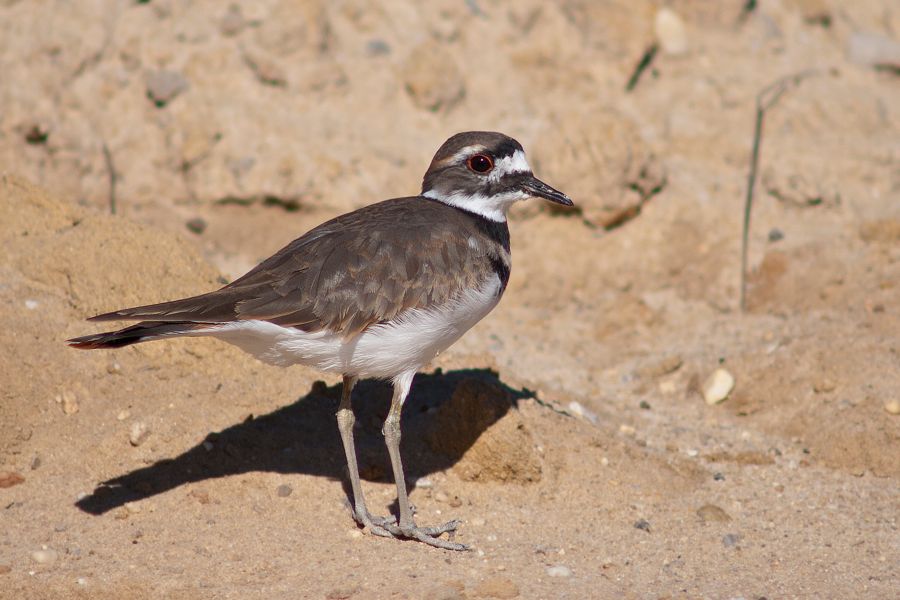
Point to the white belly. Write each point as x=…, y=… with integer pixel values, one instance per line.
x=405, y=344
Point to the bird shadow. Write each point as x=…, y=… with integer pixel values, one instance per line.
x=302, y=438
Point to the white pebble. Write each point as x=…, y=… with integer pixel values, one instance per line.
x=123, y=414
x=81, y=581
x=44, y=556
x=559, y=571
x=578, y=409
x=717, y=386
x=68, y=401
x=627, y=430
x=424, y=483
x=31, y=304
x=892, y=406
x=138, y=433
x=670, y=31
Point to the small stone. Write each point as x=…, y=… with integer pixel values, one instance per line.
x=35, y=463
x=450, y=590
x=68, y=401
x=775, y=235
x=284, y=490
x=730, y=539
x=81, y=581
x=424, y=483
x=354, y=534
x=824, y=385
x=643, y=525
x=670, y=32
x=123, y=414
x=378, y=47
x=196, y=225
x=658, y=368
x=873, y=50
x=138, y=433
x=44, y=556
x=892, y=407
x=627, y=430
x=31, y=304
x=718, y=476
x=710, y=513
x=114, y=368
x=10, y=478
x=233, y=21
x=60, y=528
x=559, y=571
x=342, y=593
x=644, y=405
x=497, y=587
x=132, y=508
x=199, y=495
x=163, y=86
x=578, y=409
x=717, y=386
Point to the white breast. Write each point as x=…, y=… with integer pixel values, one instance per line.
x=406, y=343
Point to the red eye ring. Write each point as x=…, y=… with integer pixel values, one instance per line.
x=480, y=163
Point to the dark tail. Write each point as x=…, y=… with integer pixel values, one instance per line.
x=142, y=332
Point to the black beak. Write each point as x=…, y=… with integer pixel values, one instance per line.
x=537, y=188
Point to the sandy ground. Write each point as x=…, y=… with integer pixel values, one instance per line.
x=567, y=430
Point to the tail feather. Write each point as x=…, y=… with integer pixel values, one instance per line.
x=142, y=332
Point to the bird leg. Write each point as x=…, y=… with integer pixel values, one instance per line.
x=407, y=527
x=346, y=420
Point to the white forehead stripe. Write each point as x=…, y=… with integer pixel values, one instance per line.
x=515, y=163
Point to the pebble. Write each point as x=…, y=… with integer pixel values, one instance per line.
x=892, y=406
x=424, y=483
x=138, y=433
x=776, y=235
x=123, y=414
x=717, y=386
x=578, y=409
x=710, y=513
x=163, y=86
x=68, y=401
x=354, y=534
x=627, y=430
x=10, y=478
x=31, y=304
x=873, y=50
x=824, y=385
x=196, y=225
x=730, y=539
x=559, y=571
x=35, y=462
x=643, y=525
x=284, y=490
x=497, y=587
x=663, y=366
x=44, y=556
x=670, y=32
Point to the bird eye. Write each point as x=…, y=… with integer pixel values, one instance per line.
x=480, y=163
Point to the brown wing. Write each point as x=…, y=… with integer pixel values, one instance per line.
x=354, y=271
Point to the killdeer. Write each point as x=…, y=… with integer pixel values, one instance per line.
x=377, y=292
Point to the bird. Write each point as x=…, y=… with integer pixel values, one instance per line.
x=377, y=292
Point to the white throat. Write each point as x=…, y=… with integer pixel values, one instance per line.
x=493, y=207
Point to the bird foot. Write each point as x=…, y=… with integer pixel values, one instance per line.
x=428, y=535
